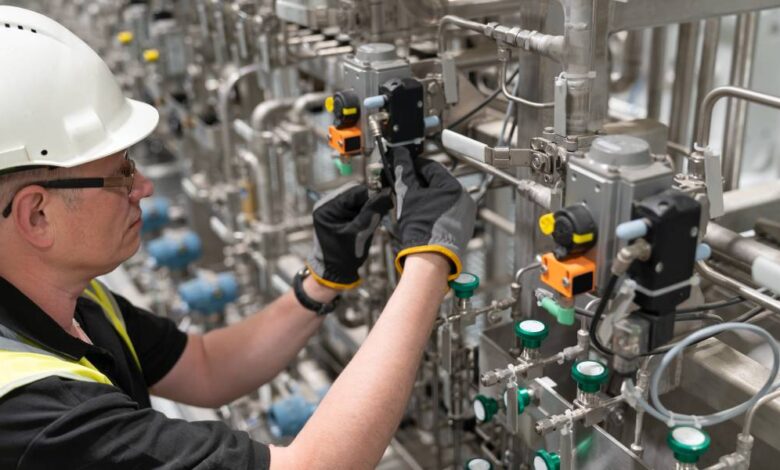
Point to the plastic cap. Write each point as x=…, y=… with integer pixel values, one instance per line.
x=544, y=460
x=478, y=464
x=484, y=408
x=125, y=37
x=589, y=375
x=631, y=230
x=345, y=168
x=703, y=251
x=329, y=104
x=374, y=102
x=523, y=399
x=531, y=333
x=465, y=285
x=432, y=122
x=547, y=223
x=688, y=443
x=151, y=55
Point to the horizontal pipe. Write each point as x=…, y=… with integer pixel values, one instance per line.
x=734, y=245
x=495, y=219
x=744, y=291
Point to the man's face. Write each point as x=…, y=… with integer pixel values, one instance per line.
x=103, y=227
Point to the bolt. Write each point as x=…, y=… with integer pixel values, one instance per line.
x=544, y=268
x=433, y=87
x=396, y=128
x=537, y=163
x=659, y=267
x=694, y=232
x=420, y=104
x=565, y=282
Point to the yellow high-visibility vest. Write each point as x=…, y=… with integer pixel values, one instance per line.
x=22, y=362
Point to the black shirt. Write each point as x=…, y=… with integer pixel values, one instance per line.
x=61, y=423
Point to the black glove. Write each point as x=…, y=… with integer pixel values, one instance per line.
x=435, y=214
x=344, y=223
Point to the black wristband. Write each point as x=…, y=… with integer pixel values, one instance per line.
x=307, y=302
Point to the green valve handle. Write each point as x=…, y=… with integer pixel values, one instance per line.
x=465, y=285
x=589, y=375
x=523, y=399
x=531, y=333
x=688, y=443
x=345, y=168
x=544, y=460
x=484, y=408
x=478, y=464
x=564, y=315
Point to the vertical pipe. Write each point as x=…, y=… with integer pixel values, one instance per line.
x=685, y=65
x=655, y=79
x=709, y=51
x=578, y=35
x=736, y=112
x=527, y=238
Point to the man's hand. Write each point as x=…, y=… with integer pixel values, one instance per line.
x=434, y=212
x=344, y=223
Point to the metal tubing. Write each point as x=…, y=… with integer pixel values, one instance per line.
x=517, y=99
x=638, y=14
x=497, y=221
x=578, y=32
x=655, y=86
x=533, y=191
x=223, y=95
x=736, y=112
x=739, y=288
x=266, y=110
x=303, y=103
x=684, y=68
x=703, y=133
x=737, y=247
x=709, y=50
x=459, y=22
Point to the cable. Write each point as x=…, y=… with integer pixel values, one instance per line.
x=712, y=305
x=482, y=105
x=385, y=162
x=599, y=313
x=659, y=411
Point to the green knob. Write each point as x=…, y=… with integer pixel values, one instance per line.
x=478, y=464
x=531, y=333
x=564, y=315
x=544, y=460
x=523, y=399
x=688, y=443
x=589, y=375
x=465, y=285
x=345, y=168
x=484, y=408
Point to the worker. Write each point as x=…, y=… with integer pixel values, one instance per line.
x=77, y=361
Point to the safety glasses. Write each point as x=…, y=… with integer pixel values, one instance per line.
x=126, y=180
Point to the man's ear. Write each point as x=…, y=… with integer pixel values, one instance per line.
x=30, y=209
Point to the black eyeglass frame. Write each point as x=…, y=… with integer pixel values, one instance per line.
x=80, y=183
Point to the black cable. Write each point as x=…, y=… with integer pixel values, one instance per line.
x=711, y=306
x=385, y=162
x=482, y=105
x=599, y=313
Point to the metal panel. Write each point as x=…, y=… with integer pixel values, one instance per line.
x=635, y=14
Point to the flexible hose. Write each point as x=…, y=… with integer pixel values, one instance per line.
x=659, y=411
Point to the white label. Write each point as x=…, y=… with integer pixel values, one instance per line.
x=688, y=436
x=479, y=410
x=590, y=368
x=478, y=464
x=532, y=326
x=539, y=463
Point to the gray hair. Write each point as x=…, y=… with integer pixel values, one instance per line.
x=11, y=183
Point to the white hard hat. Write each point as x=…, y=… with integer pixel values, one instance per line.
x=61, y=105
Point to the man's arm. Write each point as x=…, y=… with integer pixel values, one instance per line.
x=225, y=364
x=358, y=416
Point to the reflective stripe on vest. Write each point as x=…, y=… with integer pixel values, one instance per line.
x=99, y=294
x=23, y=368
x=22, y=362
